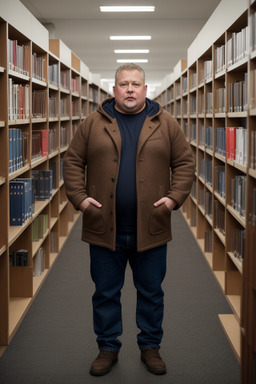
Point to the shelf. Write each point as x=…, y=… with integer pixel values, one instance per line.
x=238, y=263
x=232, y=330
x=236, y=215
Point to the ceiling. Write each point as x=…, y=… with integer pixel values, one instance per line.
x=85, y=30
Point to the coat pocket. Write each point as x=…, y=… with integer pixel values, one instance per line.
x=160, y=220
x=93, y=220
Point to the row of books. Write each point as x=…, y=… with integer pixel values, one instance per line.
x=205, y=170
x=219, y=217
x=220, y=100
x=206, y=136
x=18, y=101
x=65, y=79
x=24, y=191
x=18, y=57
x=38, y=71
x=238, y=194
x=39, y=227
x=237, y=95
x=236, y=144
x=220, y=180
x=252, y=215
x=53, y=107
x=75, y=84
x=53, y=140
x=237, y=46
x=19, y=258
x=221, y=141
x=22, y=201
x=253, y=150
x=93, y=95
x=64, y=136
x=238, y=242
x=18, y=149
x=220, y=58
x=39, y=104
x=39, y=263
x=207, y=69
x=53, y=74
x=253, y=89
x=64, y=107
x=208, y=203
x=253, y=31
x=39, y=143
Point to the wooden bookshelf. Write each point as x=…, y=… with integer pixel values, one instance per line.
x=207, y=105
x=59, y=95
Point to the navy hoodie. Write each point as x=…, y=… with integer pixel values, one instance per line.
x=130, y=127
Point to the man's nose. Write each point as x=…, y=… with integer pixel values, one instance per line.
x=130, y=87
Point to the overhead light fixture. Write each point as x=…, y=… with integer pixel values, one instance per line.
x=131, y=50
x=130, y=37
x=127, y=9
x=132, y=61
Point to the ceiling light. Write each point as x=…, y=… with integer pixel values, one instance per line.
x=131, y=50
x=127, y=9
x=132, y=61
x=130, y=37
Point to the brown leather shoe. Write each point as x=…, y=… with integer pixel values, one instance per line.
x=155, y=364
x=103, y=363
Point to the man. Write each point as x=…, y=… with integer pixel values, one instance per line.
x=129, y=147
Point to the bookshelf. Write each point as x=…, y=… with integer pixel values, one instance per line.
x=45, y=93
x=217, y=112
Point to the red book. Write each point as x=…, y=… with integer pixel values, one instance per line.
x=231, y=144
x=44, y=138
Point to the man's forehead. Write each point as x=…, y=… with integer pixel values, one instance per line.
x=130, y=75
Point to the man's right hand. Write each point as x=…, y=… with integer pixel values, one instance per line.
x=86, y=202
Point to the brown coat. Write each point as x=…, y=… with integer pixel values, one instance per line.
x=162, y=151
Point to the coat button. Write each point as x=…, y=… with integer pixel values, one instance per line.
x=113, y=178
x=114, y=159
x=111, y=195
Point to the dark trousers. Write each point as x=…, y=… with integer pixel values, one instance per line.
x=108, y=274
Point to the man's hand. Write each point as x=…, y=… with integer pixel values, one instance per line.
x=86, y=202
x=170, y=203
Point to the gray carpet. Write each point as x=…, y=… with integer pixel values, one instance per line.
x=55, y=343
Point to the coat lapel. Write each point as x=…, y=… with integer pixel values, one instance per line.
x=147, y=130
x=113, y=131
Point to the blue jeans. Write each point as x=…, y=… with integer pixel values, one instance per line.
x=108, y=273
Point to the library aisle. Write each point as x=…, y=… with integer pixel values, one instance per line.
x=55, y=343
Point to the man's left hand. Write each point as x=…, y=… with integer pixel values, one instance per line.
x=170, y=203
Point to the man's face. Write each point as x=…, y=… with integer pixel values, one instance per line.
x=130, y=92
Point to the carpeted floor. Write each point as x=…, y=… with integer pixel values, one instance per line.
x=55, y=343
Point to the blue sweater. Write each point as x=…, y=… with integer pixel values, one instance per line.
x=130, y=127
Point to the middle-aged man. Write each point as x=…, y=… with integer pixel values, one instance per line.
x=139, y=167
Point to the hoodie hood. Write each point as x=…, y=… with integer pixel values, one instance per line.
x=152, y=107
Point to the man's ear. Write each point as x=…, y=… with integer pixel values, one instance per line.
x=113, y=90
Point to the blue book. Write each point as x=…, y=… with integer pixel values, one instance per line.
x=10, y=150
x=17, y=202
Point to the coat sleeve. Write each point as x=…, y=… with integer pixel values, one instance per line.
x=74, y=166
x=182, y=166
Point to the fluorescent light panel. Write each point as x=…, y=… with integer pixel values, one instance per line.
x=132, y=61
x=130, y=37
x=127, y=9
x=131, y=50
